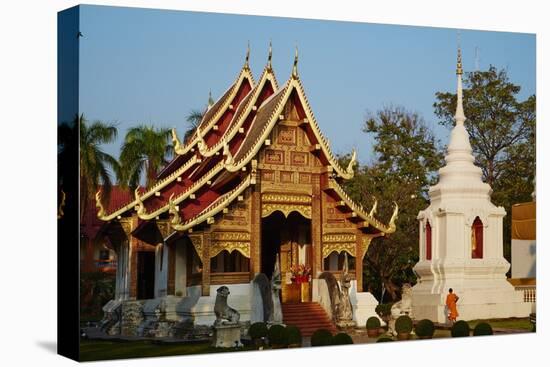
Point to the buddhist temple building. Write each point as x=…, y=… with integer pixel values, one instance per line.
x=256, y=181
x=461, y=239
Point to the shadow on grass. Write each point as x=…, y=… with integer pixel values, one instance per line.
x=94, y=350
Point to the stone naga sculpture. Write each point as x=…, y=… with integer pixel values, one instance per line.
x=400, y=308
x=225, y=315
x=261, y=302
x=345, y=311
x=277, y=315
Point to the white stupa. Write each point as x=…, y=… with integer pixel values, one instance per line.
x=461, y=240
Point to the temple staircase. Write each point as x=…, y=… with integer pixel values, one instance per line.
x=308, y=317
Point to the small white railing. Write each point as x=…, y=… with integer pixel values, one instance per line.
x=529, y=293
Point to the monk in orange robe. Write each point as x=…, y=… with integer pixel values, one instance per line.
x=451, y=301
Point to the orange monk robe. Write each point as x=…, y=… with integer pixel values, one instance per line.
x=451, y=304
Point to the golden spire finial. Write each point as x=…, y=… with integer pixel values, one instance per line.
x=247, y=59
x=459, y=58
x=210, y=100
x=269, y=56
x=295, y=66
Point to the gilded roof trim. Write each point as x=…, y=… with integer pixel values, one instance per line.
x=215, y=207
x=233, y=130
x=205, y=126
x=267, y=75
x=323, y=141
x=158, y=186
x=360, y=211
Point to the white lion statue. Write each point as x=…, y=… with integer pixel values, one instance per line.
x=222, y=310
x=400, y=308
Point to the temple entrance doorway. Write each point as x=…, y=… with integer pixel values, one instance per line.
x=290, y=239
x=145, y=275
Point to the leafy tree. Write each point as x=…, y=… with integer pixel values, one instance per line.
x=144, y=152
x=406, y=158
x=94, y=162
x=502, y=135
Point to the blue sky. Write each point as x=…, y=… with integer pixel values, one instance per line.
x=143, y=66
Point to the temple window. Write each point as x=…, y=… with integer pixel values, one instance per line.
x=226, y=262
x=335, y=262
x=428, y=241
x=477, y=239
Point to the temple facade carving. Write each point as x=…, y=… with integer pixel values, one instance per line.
x=256, y=182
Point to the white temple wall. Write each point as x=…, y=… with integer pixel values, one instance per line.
x=201, y=308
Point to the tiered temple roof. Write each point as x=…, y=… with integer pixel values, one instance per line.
x=219, y=162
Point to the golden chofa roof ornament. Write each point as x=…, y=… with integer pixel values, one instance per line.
x=269, y=56
x=140, y=207
x=247, y=58
x=391, y=226
x=178, y=147
x=374, y=209
x=210, y=99
x=295, y=66
x=352, y=163
x=174, y=211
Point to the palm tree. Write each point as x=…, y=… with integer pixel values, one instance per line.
x=194, y=119
x=94, y=162
x=144, y=152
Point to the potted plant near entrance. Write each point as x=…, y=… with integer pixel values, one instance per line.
x=300, y=276
x=373, y=327
x=403, y=326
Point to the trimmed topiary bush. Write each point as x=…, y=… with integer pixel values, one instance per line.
x=403, y=325
x=425, y=329
x=321, y=337
x=483, y=328
x=341, y=339
x=373, y=327
x=293, y=336
x=384, y=339
x=373, y=323
x=257, y=330
x=277, y=335
x=460, y=329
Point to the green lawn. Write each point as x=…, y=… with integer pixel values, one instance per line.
x=93, y=350
x=511, y=323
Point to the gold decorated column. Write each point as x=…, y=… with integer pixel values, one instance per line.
x=316, y=226
x=255, y=230
x=359, y=260
x=206, y=242
x=132, y=259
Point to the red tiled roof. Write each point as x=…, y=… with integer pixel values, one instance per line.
x=90, y=223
